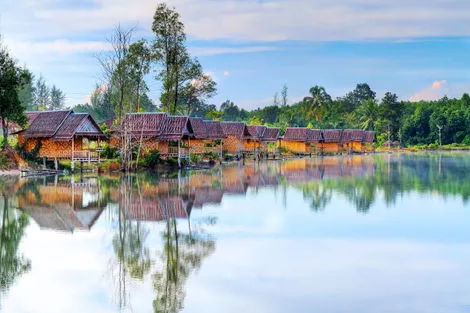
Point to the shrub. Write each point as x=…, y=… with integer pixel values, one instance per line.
x=33, y=155
x=151, y=159
x=194, y=158
x=109, y=153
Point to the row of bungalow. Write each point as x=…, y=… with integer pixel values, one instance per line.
x=76, y=136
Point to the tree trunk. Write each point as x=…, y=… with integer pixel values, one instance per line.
x=5, y=133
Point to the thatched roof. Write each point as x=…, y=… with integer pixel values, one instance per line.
x=349, y=135
x=296, y=134
x=270, y=134
x=255, y=132
x=314, y=136
x=46, y=124
x=77, y=124
x=214, y=130
x=236, y=129
x=369, y=136
x=199, y=127
x=332, y=135
x=144, y=124
x=61, y=125
x=176, y=127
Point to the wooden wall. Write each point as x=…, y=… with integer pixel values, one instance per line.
x=232, y=144
x=296, y=146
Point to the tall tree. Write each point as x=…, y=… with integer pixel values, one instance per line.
x=355, y=98
x=26, y=94
x=367, y=114
x=139, y=59
x=284, y=95
x=12, y=79
x=57, y=99
x=391, y=112
x=42, y=95
x=316, y=103
x=178, y=70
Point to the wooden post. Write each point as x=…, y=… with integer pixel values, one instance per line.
x=72, y=165
x=44, y=163
x=56, y=164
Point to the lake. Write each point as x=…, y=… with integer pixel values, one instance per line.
x=378, y=233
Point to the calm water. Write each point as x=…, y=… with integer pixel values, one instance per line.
x=387, y=233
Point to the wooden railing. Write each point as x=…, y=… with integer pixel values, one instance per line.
x=85, y=156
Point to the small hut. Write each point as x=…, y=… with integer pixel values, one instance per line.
x=234, y=133
x=62, y=135
x=269, y=141
x=198, y=141
x=332, y=140
x=369, y=140
x=175, y=138
x=314, y=139
x=215, y=138
x=353, y=140
x=296, y=140
x=141, y=129
x=252, y=139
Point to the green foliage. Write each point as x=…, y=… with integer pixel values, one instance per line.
x=109, y=153
x=194, y=158
x=151, y=159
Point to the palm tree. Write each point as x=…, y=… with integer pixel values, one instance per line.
x=368, y=114
x=316, y=103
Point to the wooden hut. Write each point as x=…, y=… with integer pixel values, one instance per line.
x=353, y=140
x=141, y=129
x=269, y=141
x=175, y=138
x=234, y=133
x=315, y=139
x=296, y=140
x=252, y=139
x=332, y=141
x=214, y=138
x=369, y=141
x=198, y=141
x=62, y=135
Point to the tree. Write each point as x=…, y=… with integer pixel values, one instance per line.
x=26, y=94
x=367, y=114
x=316, y=103
x=276, y=99
x=284, y=95
x=196, y=91
x=391, y=113
x=139, y=59
x=57, y=99
x=355, y=98
x=42, y=95
x=12, y=80
x=179, y=72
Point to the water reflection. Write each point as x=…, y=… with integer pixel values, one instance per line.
x=159, y=233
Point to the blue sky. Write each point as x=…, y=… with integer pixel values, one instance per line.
x=418, y=49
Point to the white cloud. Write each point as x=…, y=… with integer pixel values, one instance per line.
x=258, y=20
x=226, y=73
x=437, y=90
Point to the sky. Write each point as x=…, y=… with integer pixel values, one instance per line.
x=417, y=49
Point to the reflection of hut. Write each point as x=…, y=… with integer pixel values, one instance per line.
x=295, y=140
x=61, y=207
x=158, y=208
x=353, y=140
x=252, y=138
x=61, y=135
x=332, y=140
x=204, y=196
x=234, y=133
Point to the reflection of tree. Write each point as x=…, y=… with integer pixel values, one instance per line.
x=133, y=257
x=318, y=195
x=182, y=254
x=12, y=265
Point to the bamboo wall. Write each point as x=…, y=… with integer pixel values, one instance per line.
x=331, y=147
x=52, y=149
x=296, y=147
x=250, y=145
x=232, y=144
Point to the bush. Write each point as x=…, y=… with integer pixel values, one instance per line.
x=33, y=155
x=109, y=153
x=151, y=159
x=194, y=158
